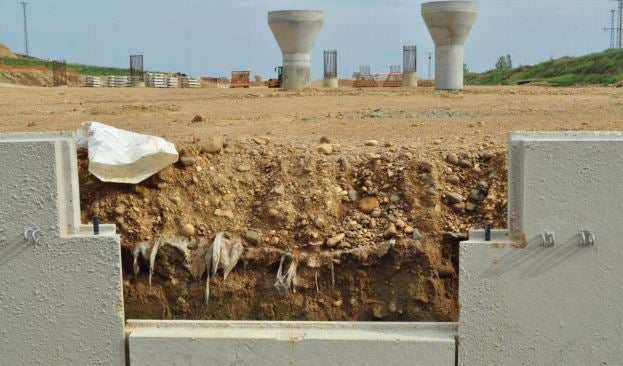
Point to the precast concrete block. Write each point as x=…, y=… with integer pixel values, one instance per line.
x=155, y=343
x=61, y=300
x=548, y=290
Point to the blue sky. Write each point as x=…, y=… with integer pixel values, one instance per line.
x=215, y=37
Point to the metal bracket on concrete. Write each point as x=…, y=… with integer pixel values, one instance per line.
x=31, y=234
x=587, y=238
x=549, y=239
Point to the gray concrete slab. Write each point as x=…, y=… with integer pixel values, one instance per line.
x=191, y=343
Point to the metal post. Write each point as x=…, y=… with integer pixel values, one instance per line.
x=430, y=56
x=620, y=30
x=26, y=51
x=612, y=28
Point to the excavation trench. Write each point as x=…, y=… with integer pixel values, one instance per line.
x=303, y=235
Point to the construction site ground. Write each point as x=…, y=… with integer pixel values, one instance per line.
x=334, y=204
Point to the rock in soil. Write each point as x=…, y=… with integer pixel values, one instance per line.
x=454, y=198
x=188, y=230
x=212, y=144
x=253, y=237
x=368, y=204
x=332, y=242
x=326, y=149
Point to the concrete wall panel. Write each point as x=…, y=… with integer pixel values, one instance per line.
x=61, y=301
x=525, y=304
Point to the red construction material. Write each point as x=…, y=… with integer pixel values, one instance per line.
x=240, y=79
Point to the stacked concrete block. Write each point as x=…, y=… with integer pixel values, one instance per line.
x=153, y=80
x=93, y=82
x=189, y=82
x=122, y=81
x=111, y=81
x=173, y=82
x=114, y=81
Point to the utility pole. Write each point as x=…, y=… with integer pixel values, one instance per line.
x=430, y=55
x=26, y=51
x=620, y=27
x=611, y=29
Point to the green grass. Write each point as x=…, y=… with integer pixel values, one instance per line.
x=80, y=69
x=603, y=68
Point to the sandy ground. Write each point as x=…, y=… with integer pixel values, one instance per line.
x=407, y=117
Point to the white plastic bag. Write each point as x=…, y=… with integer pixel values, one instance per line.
x=121, y=156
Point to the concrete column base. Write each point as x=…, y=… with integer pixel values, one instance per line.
x=296, y=71
x=296, y=78
x=449, y=67
x=330, y=83
x=409, y=79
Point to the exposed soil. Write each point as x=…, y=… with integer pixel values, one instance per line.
x=368, y=231
x=32, y=76
x=6, y=52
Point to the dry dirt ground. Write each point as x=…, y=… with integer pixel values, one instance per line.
x=334, y=205
x=412, y=118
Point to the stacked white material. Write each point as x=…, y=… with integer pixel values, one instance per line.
x=110, y=81
x=122, y=81
x=93, y=82
x=173, y=82
x=189, y=82
x=114, y=81
x=155, y=80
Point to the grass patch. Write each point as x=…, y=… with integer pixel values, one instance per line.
x=597, y=68
x=80, y=69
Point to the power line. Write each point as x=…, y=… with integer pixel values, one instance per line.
x=26, y=51
x=612, y=28
x=616, y=27
x=620, y=27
